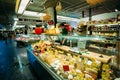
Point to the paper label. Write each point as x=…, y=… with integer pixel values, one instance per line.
x=66, y=67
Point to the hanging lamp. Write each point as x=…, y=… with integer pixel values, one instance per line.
x=58, y=6
x=94, y=2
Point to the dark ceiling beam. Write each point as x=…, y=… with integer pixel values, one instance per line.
x=78, y=7
x=66, y=7
x=50, y=3
x=79, y=10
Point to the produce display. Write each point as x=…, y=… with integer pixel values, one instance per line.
x=53, y=31
x=69, y=66
x=27, y=38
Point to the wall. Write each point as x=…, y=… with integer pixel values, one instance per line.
x=102, y=16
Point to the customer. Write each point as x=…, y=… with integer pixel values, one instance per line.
x=5, y=35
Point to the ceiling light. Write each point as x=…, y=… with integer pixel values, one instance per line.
x=15, y=23
x=22, y=6
x=116, y=10
x=67, y=18
x=15, y=19
x=34, y=14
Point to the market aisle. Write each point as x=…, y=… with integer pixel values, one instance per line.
x=13, y=63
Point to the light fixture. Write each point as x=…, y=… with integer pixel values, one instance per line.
x=116, y=10
x=34, y=14
x=15, y=19
x=14, y=25
x=95, y=2
x=22, y=6
x=67, y=18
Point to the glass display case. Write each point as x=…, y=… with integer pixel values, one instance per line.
x=86, y=57
x=23, y=40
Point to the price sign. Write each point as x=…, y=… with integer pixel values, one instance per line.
x=81, y=44
x=66, y=67
x=50, y=22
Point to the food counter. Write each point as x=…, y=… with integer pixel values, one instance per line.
x=66, y=63
x=23, y=40
x=62, y=65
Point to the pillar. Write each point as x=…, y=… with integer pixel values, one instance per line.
x=52, y=12
x=90, y=14
x=83, y=15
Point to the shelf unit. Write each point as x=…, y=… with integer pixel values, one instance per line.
x=106, y=30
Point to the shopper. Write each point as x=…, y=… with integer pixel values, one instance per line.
x=5, y=34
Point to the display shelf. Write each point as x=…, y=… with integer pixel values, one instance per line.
x=82, y=38
x=87, y=54
x=51, y=34
x=100, y=57
x=103, y=50
x=103, y=24
x=82, y=53
x=105, y=30
x=27, y=38
x=103, y=42
x=47, y=67
x=45, y=59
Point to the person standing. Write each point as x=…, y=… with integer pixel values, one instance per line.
x=65, y=31
x=26, y=29
x=5, y=34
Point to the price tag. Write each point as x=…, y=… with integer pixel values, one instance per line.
x=81, y=44
x=66, y=67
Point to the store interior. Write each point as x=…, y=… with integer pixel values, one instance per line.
x=60, y=40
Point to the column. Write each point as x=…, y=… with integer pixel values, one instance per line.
x=52, y=12
x=90, y=14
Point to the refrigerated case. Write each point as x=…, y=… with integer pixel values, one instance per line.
x=88, y=49
x=23, y=40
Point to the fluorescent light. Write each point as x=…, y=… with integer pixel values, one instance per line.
x=15, y=19
x=15, y=23
x=20, y=26
x=116, y=10
x=34, y=14
x=67, y=18
x=22, y=6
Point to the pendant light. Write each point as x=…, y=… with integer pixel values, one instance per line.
x=94, y=2
x=58, y=6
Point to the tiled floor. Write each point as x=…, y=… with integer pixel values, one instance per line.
x=13, y=63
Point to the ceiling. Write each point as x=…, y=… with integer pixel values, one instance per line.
x=70, y=8
x=74, y=8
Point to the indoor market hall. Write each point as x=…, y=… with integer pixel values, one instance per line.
x=59, y=39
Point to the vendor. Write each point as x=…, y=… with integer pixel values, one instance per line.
x=65, y=31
